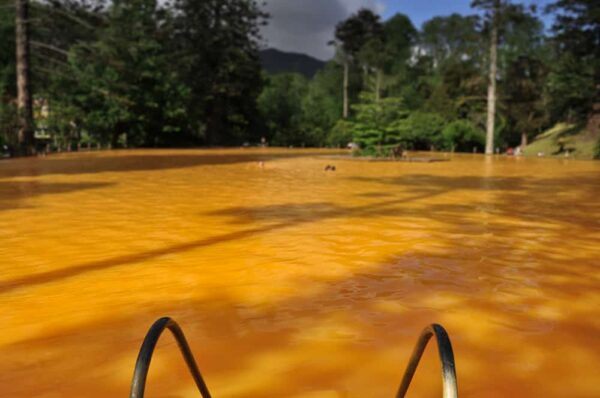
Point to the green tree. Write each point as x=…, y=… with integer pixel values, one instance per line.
x=351, y=35
x=373, y=128
x=513, y=32
x=493, y=9
x=522, y=55
x=451, y=38
x=7, y=49
x=453, y=85
x=321, y=106
x=280, y=104
x=570, y=88
x=374, y=58
x=217, y=51
x=8, y=122
x=524, y=88
x=125, y=84
x=400, y=38
x=577, y=39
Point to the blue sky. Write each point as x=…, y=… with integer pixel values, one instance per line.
x=306, y=26
x=420, y=11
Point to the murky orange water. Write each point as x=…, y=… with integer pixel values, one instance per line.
x=293, y=282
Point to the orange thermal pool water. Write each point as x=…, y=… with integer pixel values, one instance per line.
x=290, y=281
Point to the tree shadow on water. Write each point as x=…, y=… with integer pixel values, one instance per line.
x=279, y=217
x=386, y=307
x=526, y=198
x=128, y=161
x=532, y=203
x=15, y=194
x=510, y=322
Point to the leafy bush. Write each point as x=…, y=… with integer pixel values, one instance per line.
x=381, y=126
x=340, y=134
x=420, y=130
x=597, y=151
x=462, y=135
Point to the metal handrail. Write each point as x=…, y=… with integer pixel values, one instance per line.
x=446, y=357
x=142, y=364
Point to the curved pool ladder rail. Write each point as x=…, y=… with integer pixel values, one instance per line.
x=446, y=354
x=142, y=365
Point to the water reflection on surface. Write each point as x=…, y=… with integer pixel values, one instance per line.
x=290, y=281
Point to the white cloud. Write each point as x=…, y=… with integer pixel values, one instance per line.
x=306, y=26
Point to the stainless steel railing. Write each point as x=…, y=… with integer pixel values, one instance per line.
x=144, y=358
x=446, y=357
x=142, y=365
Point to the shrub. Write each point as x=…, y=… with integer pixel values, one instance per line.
x=463, y=136
x=421, y=130
x=340, y=134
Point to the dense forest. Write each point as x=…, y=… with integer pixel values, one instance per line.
x=143, y=73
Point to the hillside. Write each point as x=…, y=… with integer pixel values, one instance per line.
x=562, y=138
x=276, y=61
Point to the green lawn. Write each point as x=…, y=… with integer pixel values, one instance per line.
x=561, y=138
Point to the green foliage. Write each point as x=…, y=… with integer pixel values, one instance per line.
x=573, y=84
x=526, y=109
x=463, y=136
x=453, y=37
x=7, y=50
x=359, y=29
x=577, y=27
x=341, y=134
x=321, y=107
x=298, y=112
x=421, y=130
x=126, y=86
x=382, y=126
x=400, y=37
x=8, y=122
x=373, y=54
x=143, y=69
x=187, y=72
x=216, y=50
x=597, y=150
x=570, y=88
x=280, y=104
x=372, y=128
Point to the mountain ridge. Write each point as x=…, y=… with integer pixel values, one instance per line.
x=275, y=61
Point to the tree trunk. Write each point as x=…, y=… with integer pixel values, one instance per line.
x=25, y=134
x=524, y=140
x=491, y=107
x=346, y=78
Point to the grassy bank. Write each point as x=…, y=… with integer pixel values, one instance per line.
x=561, y=138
